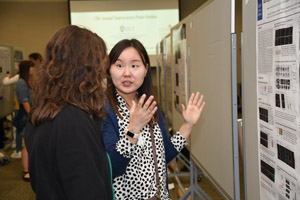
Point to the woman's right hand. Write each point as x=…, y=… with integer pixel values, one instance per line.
x=141, y=113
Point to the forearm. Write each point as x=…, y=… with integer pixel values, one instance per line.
x=185, y=130
x=9, y=81
x=26, y=106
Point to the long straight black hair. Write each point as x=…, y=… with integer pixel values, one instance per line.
x=24, y=70
x=146, y=87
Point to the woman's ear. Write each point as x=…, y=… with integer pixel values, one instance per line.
x=146, y=70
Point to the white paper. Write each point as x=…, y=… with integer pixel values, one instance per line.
x=277, y=48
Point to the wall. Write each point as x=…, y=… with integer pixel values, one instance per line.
x=30, y=25
x=186, y=7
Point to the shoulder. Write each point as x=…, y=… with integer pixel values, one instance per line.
x=71, y=121
x=160, y=117
x=110, y=118
x=72, y=112
x=21, y=83
x=108, y=108
x=160, y=120
x=72, y=117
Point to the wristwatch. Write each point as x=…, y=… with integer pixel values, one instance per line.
x=131, y=134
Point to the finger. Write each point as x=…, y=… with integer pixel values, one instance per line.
x=141, y=101
x=153, y=111
x=199, y=103
x=202, y=106
x=191, y=99
x=196, y=98
x=148, y=102
x=152, y=106
x=133, y=106
x=182, y=109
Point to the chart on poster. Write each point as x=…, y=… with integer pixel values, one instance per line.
x=277, y=61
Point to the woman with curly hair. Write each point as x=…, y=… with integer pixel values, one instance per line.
x=67, y=157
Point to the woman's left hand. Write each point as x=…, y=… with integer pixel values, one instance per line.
x=191, y=114
x=193, y=111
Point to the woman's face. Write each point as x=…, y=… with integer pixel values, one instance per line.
x=128, y=72
x=31, y=70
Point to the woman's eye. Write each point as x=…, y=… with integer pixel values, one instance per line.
x=134, y=66
x=119, y=65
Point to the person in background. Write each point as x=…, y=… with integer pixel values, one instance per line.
x=133, y=119
x=36, y=58
x=23, y=93
x=3, y=138
x=7, y=80
x=67, y=157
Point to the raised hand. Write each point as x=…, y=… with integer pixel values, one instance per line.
x=141, y=113
x=191, y=113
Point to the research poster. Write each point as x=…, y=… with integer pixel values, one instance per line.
x=179, y=60
x=5, y=66
x=277, y=47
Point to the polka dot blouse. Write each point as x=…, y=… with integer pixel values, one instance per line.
x=138, y=181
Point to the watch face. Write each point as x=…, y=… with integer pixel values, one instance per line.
x=130, y=134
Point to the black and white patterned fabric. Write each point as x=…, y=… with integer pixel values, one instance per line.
x=138, y=182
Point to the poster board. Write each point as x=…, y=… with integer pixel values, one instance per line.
x=169, y=89
x=179, y=63
x=162, y=75
x=179, y=35
x=277, y=79
x=208, y=61
x=270, y=29
x=6, y=92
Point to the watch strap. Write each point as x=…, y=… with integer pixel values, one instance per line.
x=131, y=134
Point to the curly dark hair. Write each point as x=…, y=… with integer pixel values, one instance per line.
x=72, y=73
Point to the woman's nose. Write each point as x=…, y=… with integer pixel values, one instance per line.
x=126, y=71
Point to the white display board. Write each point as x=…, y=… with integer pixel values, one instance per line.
x=169, y=90
x=5, y=67
x=6, y=92
x=204, y=49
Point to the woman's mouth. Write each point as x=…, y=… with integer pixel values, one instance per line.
x=126, y=83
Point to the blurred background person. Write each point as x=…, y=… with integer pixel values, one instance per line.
x=23, y=93
x=36, y=58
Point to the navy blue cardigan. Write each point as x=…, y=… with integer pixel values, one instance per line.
x=111, y=135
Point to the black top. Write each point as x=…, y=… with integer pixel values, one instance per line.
x=67, y=157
